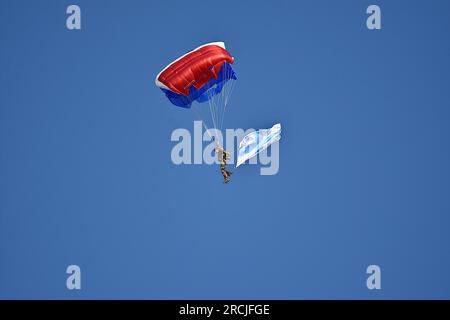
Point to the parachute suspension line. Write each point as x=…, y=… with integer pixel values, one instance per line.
x=206, y=127
x=225, y=94
x=212, y=107
x=223, y=104
x=217, y=102
x=228, y=90
x=220, y=107
x=232, y=83
x=211, y=110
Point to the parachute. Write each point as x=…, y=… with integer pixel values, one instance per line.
x=201, y=75
x=257, y=141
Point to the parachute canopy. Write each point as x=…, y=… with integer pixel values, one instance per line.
x=199, y=75
x=257, y=141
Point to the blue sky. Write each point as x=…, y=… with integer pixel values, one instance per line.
x=86, y=176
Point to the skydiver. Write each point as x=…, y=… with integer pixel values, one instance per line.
x=224, y=156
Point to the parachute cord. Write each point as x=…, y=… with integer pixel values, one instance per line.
x=218, y=102
x=214, y=108
x=229, y=86
x=211, y=108
x=206, y=128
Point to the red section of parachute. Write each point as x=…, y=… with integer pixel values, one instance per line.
x=196, y=68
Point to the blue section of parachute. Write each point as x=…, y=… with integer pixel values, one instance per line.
x=209, y=90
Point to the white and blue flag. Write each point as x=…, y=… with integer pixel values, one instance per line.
x=257, y=141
